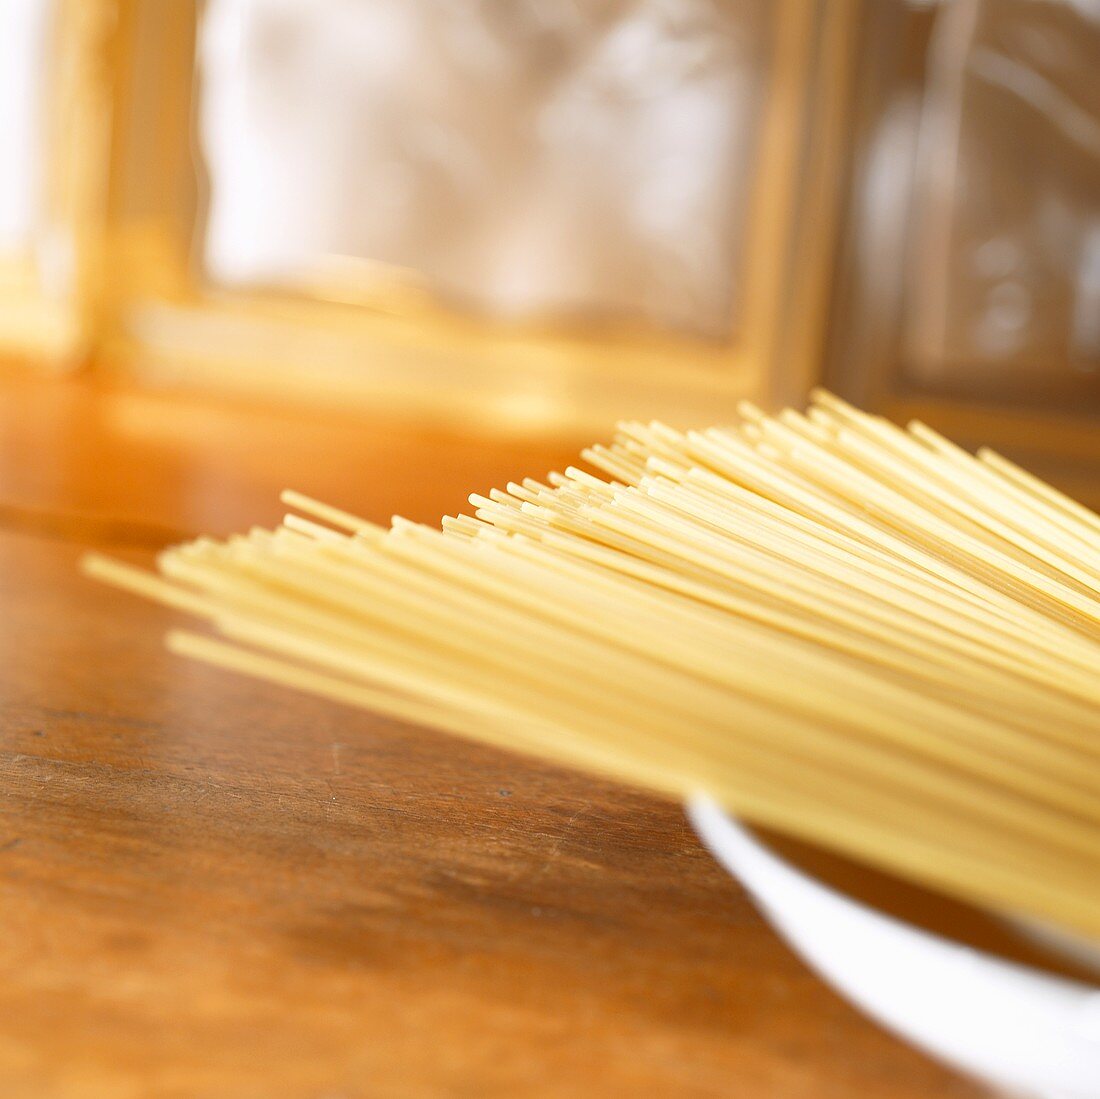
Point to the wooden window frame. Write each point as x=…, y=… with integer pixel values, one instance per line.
x=137, y=307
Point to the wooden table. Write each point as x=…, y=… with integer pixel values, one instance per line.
x=214, y=888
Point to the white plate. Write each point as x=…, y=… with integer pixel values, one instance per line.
x=1016, y=1028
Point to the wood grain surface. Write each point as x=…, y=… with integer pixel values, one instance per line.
x=214, y=888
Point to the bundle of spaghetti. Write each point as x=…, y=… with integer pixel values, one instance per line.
x=858, y=634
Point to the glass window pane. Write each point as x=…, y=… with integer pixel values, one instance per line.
x=25, y=27
x=523, y=160
x=1006, y=260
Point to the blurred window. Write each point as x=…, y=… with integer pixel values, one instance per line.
x=526, y=159
x=25, y=27
x=1006, y=260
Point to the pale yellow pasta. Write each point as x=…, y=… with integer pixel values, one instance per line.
x=857, y=634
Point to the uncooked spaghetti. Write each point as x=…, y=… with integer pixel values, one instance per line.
x=857, y=634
